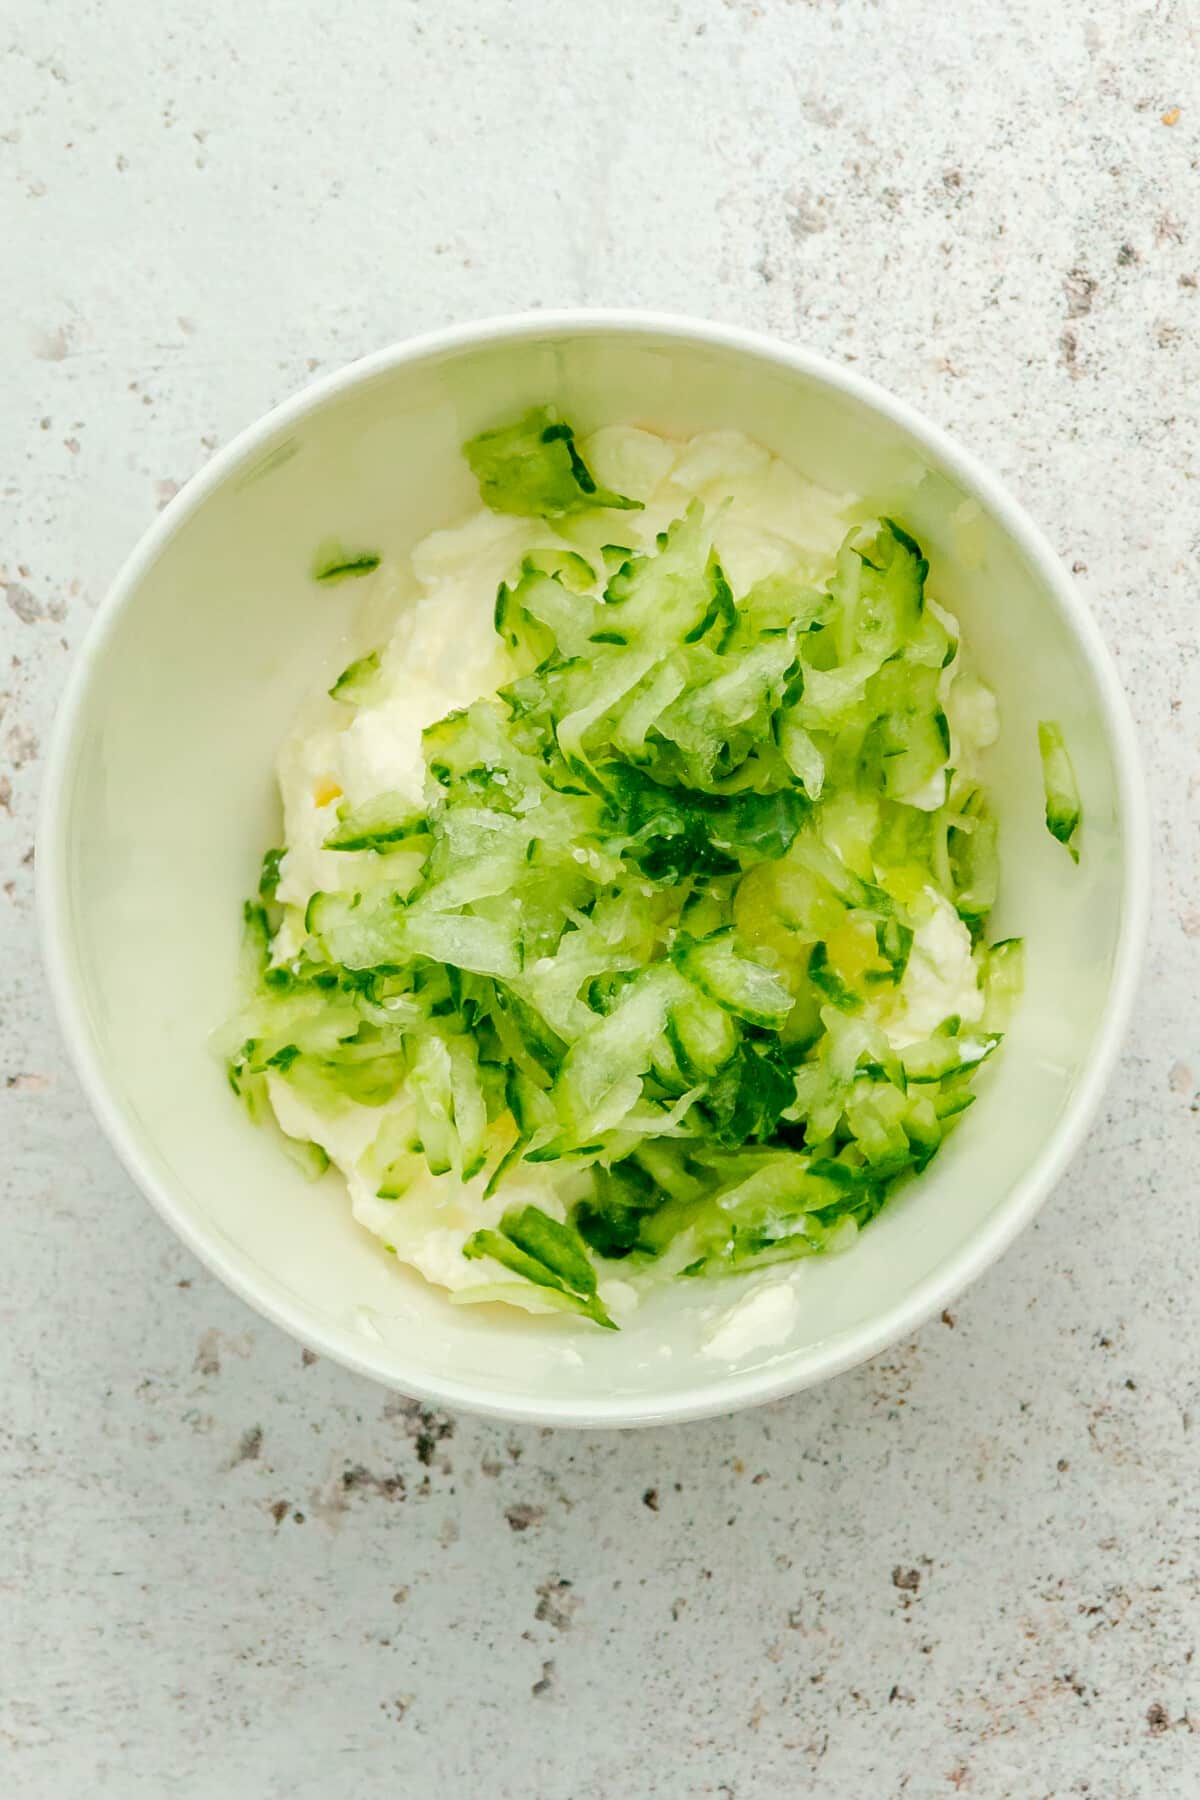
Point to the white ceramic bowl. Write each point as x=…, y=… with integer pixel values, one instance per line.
x=160, y=798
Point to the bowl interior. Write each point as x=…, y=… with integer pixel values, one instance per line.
x=165, y=800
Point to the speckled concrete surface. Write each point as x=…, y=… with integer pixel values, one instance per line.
x=971, y=1567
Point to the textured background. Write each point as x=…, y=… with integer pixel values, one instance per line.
x=971, y=1567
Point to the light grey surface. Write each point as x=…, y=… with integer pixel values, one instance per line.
x=968, y=1568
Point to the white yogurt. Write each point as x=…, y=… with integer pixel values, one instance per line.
x=761, y=1320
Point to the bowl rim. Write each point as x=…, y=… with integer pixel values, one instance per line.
x=722, y=1392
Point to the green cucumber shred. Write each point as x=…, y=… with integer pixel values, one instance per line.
x=333, y=563
x=1064, y=811
x=546, y=1252
x=357, y=682
x=670, y=887
x=377, y=824
x=533, y=468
